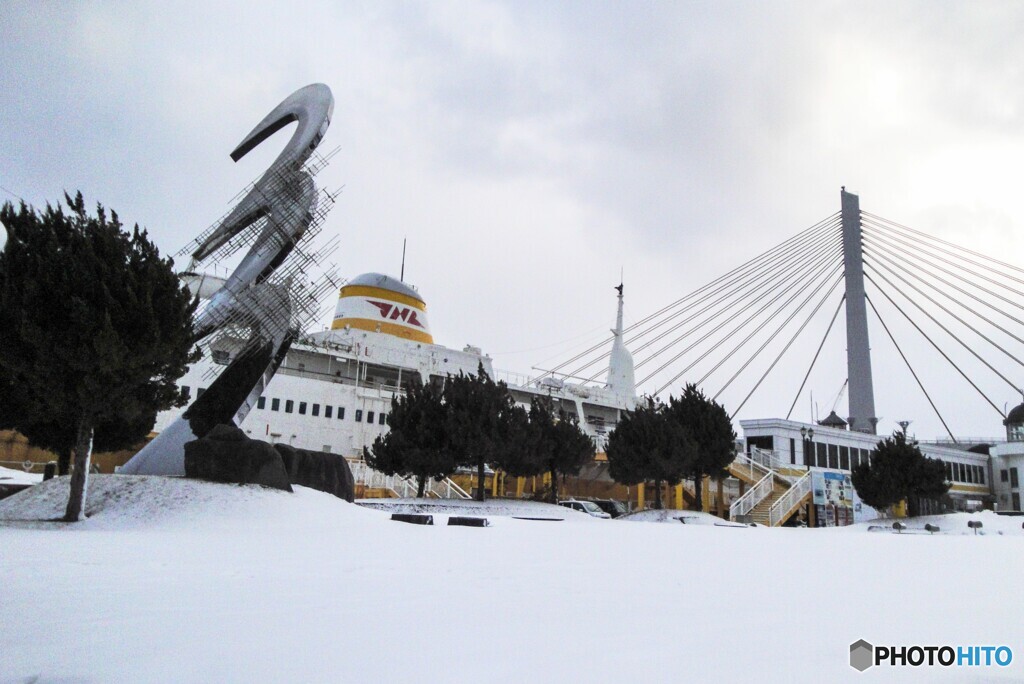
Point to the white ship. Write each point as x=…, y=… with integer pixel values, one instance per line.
x=333, y=392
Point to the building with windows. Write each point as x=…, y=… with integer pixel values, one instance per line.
x=830, y=447
x=1008, y=462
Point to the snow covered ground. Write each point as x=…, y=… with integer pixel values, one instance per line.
x=181, y=581
x=11, y=476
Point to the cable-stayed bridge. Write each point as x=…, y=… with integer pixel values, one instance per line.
x=950, y=317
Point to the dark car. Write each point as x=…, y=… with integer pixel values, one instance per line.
x=612, y=507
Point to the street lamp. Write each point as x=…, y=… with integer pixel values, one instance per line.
x=808, y=436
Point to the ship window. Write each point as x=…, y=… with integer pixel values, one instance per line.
x=289, y=405
x=369, y=416
x=359, y=415
x=963, y=472
x=261, y=403
x=326, y=449
x=316, y=409
x=383, y=418
x=1004, y=475
x=341, y=413
x=1013, y=478
x=833, y=456
x=822, y=451
x=970, y=474
x=844, y=458
x=302, y=408
x=186, y=391
x=275, y=404
x=328, y=411
x=981, y=474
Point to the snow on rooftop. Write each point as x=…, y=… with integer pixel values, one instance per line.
x=177, y=580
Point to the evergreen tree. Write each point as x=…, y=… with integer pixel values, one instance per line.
x=572, y=450
x=94, y=326
x=710, y=427
x=553, y=445
x=648, y=444
x=417, y=442
x=58, y=434
x=479, y=416
x=518, y=454
x=898, y=470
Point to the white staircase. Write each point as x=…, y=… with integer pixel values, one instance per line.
x=404, y=487
x=777, y=489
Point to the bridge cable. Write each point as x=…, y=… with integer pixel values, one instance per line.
x=757, y=330
x=778, y=296
x=937, y=348
x=759, y=279
x=679, y=355
x=891, y=268
x=944, y=328
x=920, y=244
x=894, y=260
x=778, y=330
x=911, y=369
x=739, y=269
x=923, y=254
x=788, y=344
x=743, y=288
x=879, y=241
x=842, y=300
x=785, y=275
x=945, y=242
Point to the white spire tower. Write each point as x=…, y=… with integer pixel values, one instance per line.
x=620, y=365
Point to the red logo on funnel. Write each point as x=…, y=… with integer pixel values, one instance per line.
x=397, y=313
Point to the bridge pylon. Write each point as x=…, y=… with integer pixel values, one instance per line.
x=858, y=349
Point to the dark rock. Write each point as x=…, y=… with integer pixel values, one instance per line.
x=468, y=521
x=221, y=456
x=227, y=433
x=414, y=518
x=318, y=470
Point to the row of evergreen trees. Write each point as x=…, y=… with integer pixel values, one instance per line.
x=472, y=422
x=690, y=437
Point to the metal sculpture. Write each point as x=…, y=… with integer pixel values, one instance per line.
x=268, y=293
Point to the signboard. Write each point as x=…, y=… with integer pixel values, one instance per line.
x=832, y=498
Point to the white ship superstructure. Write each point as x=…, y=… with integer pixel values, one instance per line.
x=334, y=390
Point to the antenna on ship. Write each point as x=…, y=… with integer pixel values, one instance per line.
x=402, y=276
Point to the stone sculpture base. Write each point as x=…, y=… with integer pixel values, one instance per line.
x=226, y=454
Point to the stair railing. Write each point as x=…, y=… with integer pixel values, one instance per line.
x=744, y=462
x=753, y=496
x=404, y=487
x=781, y=509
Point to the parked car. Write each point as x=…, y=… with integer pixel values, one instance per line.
x=611, y=507
x=588, y=507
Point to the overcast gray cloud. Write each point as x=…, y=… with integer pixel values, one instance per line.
x=530, y=150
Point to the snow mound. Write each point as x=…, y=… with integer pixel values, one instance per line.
x=12, y=476
x=126, y=501
x=512, y=508
x=950, y=524
x=675, y=517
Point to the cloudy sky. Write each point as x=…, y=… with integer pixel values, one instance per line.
x=531, y=151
